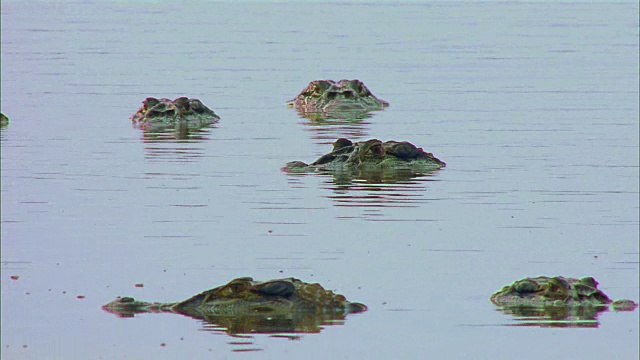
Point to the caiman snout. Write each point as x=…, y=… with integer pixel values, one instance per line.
x=354, y=308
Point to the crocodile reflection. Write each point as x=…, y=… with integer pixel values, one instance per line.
x=376, y=191
x=323, y=131
x=561, y=317
x=373, y=191
x=175, y=144
x=176, y=134
x=292, y=323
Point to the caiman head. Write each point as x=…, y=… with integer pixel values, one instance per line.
x=372, y=154
x=551, y=291
x=181, y=109
x=556, y=301
x=331, y=97
x=244, y=296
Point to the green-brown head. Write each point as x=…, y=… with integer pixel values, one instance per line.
x=244, y=295
x=335, y=97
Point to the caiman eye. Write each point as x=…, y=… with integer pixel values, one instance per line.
x=332, y=95
x=277, y=288
x=526, y=286
x=377, y=149
x=349, y=94
x=362, y=90
x=237, y=287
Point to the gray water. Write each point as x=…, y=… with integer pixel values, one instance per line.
x=534, y=107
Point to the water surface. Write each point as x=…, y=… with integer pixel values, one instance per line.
x=533, y=106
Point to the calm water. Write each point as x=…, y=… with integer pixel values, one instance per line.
x=534, y=107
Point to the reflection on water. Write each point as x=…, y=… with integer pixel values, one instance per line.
x=177, y=132
x=282, y=324
x=536, y=103
x=288, y=325
x=379, y=194
x=375, y=189
x=175, y=142
x=256, y=323
x=326, y=129
x=369, y=176
x=555, y=316
x=341, y=114
x=279, y=326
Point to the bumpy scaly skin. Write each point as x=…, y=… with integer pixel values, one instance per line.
x=329, y=98
x=158, y=113
x=545, y=292
x=4, y=120
x=556, y=302
x=245, y=297
x=371, y=155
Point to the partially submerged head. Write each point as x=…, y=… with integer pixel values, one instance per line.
x=174, y=113
x=332, y=98
x=551, y=291
x=278, y=295
x=374, y=155
x=244, y=296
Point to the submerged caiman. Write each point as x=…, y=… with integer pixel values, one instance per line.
x=181, y=113
x=371, y=155
x=4, y=120
x=336, y=99
x=247, y=306
x=557, y=301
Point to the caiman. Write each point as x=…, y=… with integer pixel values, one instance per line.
x=336, y=99
x=161, y=114
x=557, y=300
x=371, y=155
x=244, y=305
